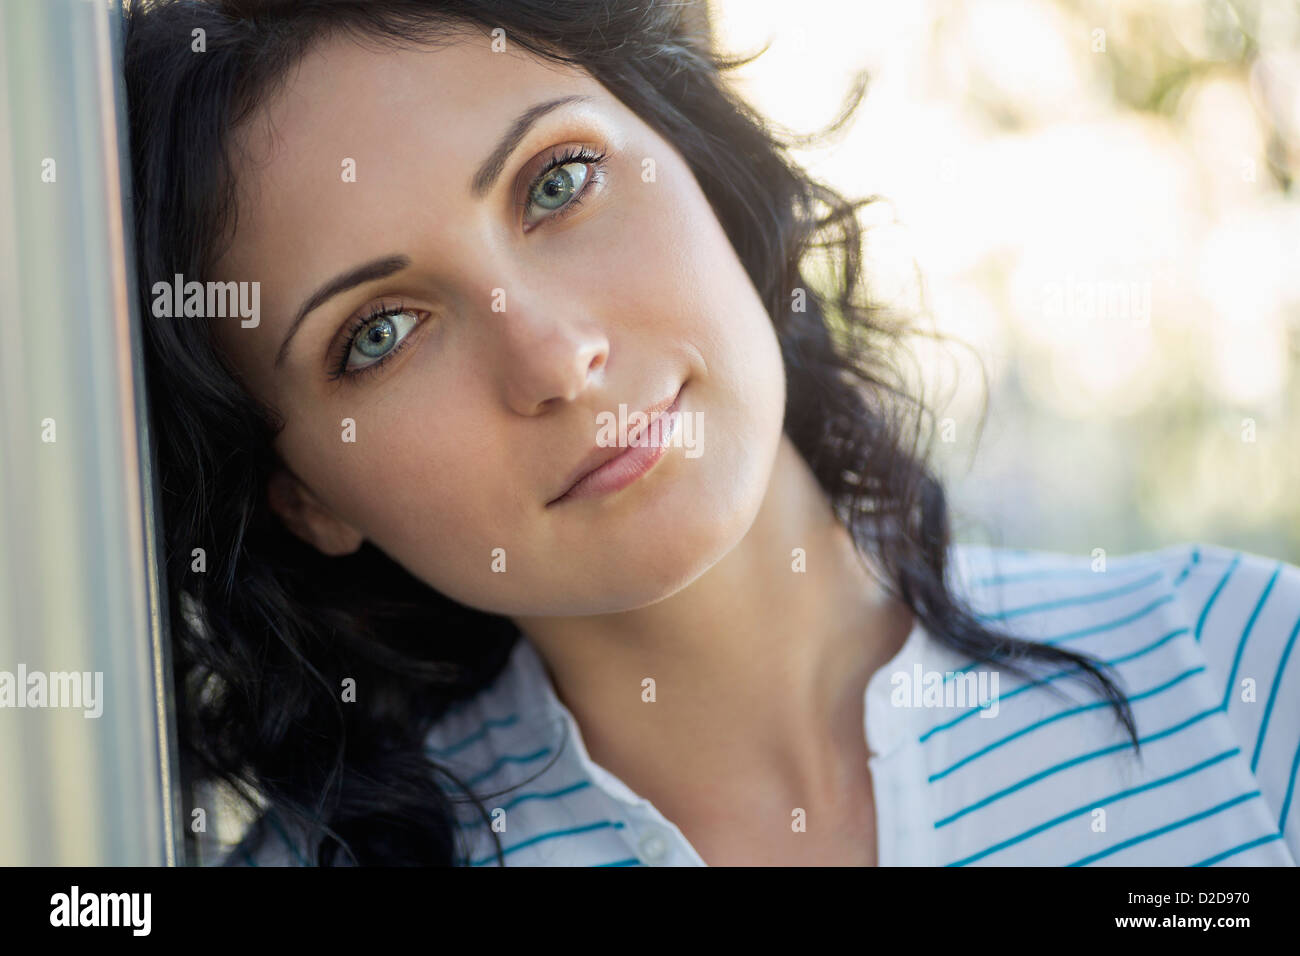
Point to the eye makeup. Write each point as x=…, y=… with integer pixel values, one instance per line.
x=341, y=353
x=555, y=174
x=553, y=179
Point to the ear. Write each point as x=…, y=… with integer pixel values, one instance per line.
x=304, y=515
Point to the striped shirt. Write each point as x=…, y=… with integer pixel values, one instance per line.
x=971, y=765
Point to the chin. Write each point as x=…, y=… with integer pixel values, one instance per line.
x=681, y=548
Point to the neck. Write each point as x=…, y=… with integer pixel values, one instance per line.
x=759, y=669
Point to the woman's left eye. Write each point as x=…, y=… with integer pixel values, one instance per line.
x=561, y=186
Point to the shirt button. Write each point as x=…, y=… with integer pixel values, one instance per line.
x=653, y=848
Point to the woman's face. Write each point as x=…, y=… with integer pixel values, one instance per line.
x=524, y=312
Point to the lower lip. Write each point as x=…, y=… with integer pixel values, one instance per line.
x=618, y=473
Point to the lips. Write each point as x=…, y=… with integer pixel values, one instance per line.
x=600, y=456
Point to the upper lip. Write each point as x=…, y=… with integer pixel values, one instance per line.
x=601, y=454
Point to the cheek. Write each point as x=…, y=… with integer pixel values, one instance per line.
x=443, y=492
x=434, y=492
x=679, y=258
x=694, y=275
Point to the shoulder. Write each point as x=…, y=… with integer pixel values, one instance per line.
x=1201, y=640
x=1243, y=613
x=1216, y=592
x=488, y=745
x=525, y=790
x=1232, y=595
x=506, y=750
x=502, y=725
x=1232, y=613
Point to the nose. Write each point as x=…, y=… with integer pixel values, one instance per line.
x=548, y=360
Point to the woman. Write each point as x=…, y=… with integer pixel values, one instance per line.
x=543, y=513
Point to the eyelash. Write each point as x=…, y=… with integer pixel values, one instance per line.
x=579, y=154
x=354, y=329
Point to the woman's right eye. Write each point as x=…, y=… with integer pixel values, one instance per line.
x=373, y=340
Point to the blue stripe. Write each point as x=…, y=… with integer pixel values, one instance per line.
x=477, y=735
x=550, y=835
x=1205, y=611
x=1272, y=695
x=553, y=795
x=1290, y=790
x=1238, y=849
x=1077, y=599
x=1094, y=804
x=1067, y=672
x=1083, y=758
x=1165, y=829
x=1110, y=625
x=1071, y=635
x=1182, y=575
x=509, y=758
x=1083, y=708
x=1241, y=644
x=630, y=861
x=1041, y=574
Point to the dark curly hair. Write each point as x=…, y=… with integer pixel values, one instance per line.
x=264, y=636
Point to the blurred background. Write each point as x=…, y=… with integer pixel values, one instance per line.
x=1099, y=199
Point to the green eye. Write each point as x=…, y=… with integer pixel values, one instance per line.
x=563, y=184
x=380, y=335
x=558, y=185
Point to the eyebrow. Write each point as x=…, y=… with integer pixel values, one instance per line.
x=484, y=179
x=491, y=168
x=367, y=272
